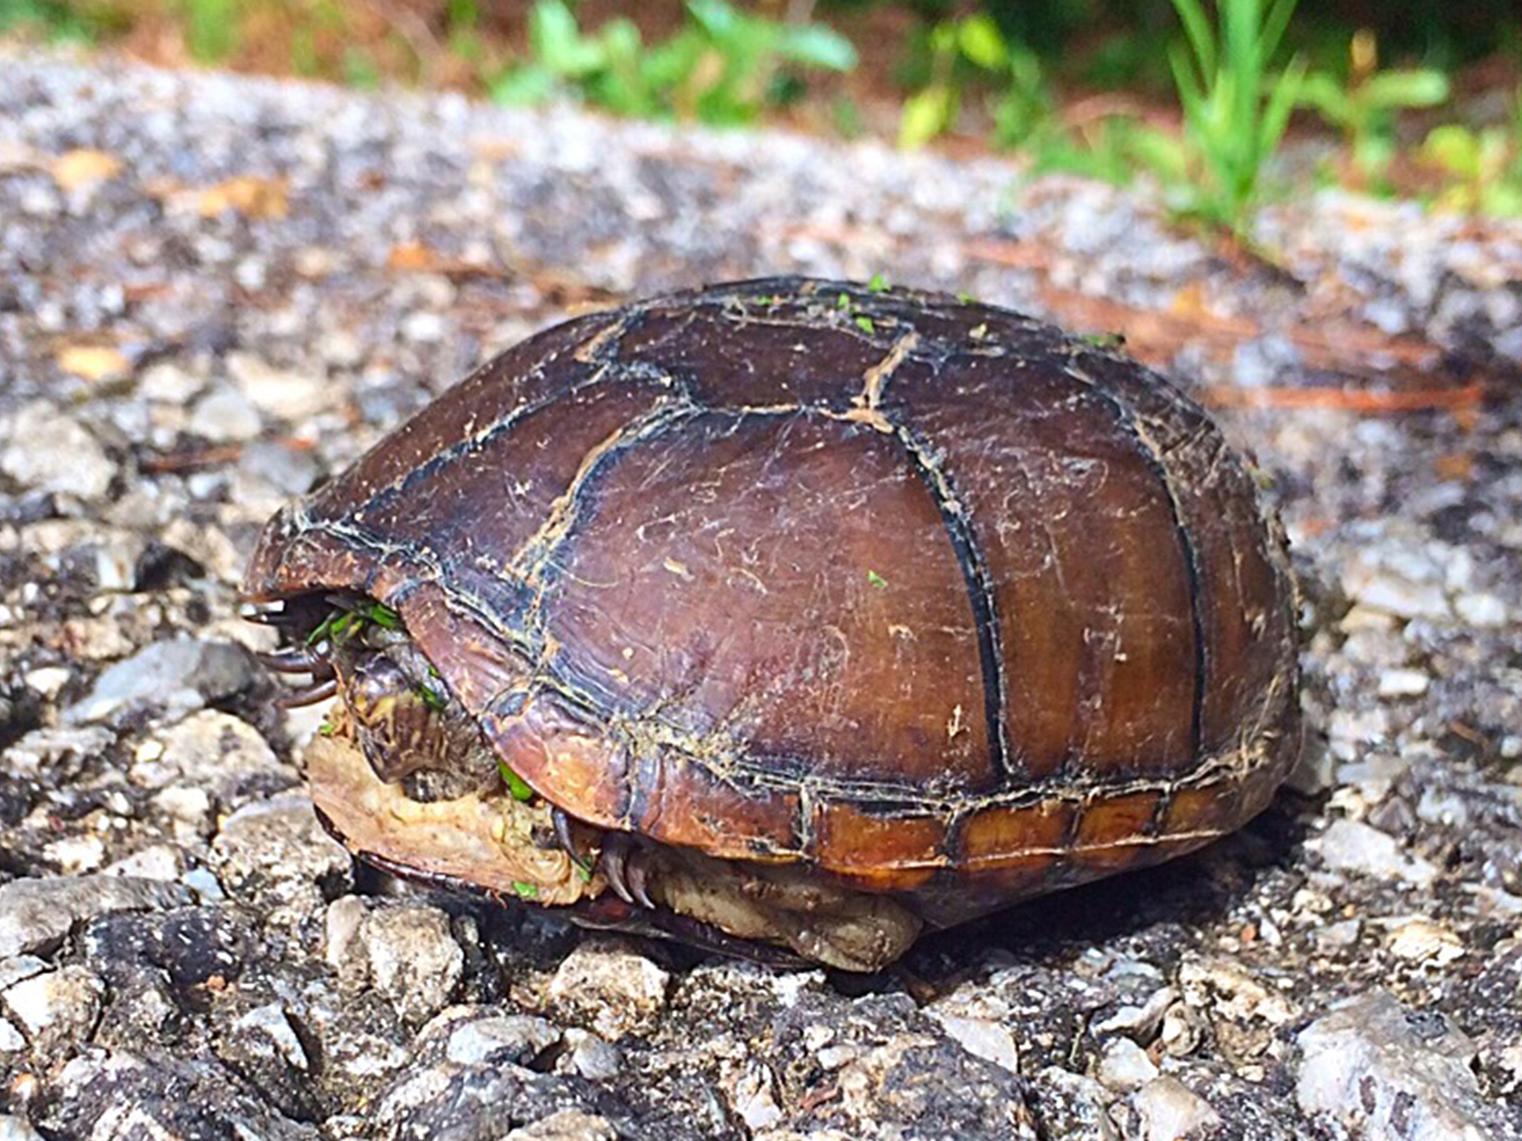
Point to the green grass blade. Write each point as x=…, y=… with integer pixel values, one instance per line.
x=1274, y=26
x=1201, y=38
x=1281, y=102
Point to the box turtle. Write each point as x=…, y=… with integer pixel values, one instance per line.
x=789, y=617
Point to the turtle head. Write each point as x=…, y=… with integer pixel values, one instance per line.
x=399, y=724
x=392, y=702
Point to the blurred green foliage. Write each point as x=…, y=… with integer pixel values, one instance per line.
x=1482, y=168
x=1236, y=107
x=63, y=20
x=1198, y=94
x=724, y=66
x=1363, y=102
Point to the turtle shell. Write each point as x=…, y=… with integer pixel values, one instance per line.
x=917, y=591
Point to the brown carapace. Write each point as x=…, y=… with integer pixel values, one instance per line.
x=879, y=591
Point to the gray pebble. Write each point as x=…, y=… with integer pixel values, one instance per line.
x=494, y=1039
x=177, y=676
x=35, y=914
x=610, y=987
x=43, y=449
x=414, y=961
x=1380, y=1070
x=57, y=1010
x=225, y=416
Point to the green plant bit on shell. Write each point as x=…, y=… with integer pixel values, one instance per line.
x=525, y=890
x=381, y=615
x=516, y=785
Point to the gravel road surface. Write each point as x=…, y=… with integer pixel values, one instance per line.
x=214, y=291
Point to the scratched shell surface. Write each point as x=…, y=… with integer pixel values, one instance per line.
x=917, y=590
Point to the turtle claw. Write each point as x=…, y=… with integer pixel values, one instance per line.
x=297, y=660
x=638, y=879
x=310, y=695
x=626, y=875
x=267, y=613
x=615, y=854
x=567, y=841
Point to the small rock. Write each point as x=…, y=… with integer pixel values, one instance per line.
x=423, y=327
x=288, y=395
x=17, y=1128
x=117, y=556
x=35, y=914
x=149, y=1093
x=178, y=676
x=341, y=347
x=226, y=416
x=1379, y=1070
x=1182, y=1030
x=1072, y=1105
x=11, y=1042
x=58, y=1009
x=204, y=544
x=345, y=916
x=617, y=991
x=73, y=855
x=269, y=464
x=47, y=680
x=567, y=1125
x=1403, y=683
x=271, y=1024
x=12, y=971
x=1314, y=771
x=56, y=750
x=1352, y=846
x=495, y=1040
x=212, y=751
x=204, y=883
x=1170, y=1110
x=186, y=804
x=1125, y=1066
x=1368, y=780
x=591, y=1057
x=413, y=959
x=1401, y=576
x=1139, y=1023
x=168, y=383
x=752, y=1096
x=276, y=851
x=50, y=452
x=1232, y=991
x=1337, y=936
x=1485, y=610
x=1420, y=940
x=982, y=1038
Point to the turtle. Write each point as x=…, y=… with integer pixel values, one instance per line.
x=790, y=617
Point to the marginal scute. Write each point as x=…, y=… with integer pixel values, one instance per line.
x=1111, y=827
x=914, y=591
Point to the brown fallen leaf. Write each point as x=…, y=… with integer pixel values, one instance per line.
x=93, y=362
x=1456, y=466
x=246, y=194
x=413, y=257
x=77, y=168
